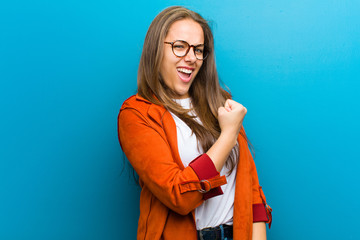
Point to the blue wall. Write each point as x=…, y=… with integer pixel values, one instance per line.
x=66, y=67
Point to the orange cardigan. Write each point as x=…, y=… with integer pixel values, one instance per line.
x=169, y=195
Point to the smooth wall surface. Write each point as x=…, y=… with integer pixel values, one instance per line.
x=67, y=66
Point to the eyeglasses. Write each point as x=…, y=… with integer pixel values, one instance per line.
x=180, y=48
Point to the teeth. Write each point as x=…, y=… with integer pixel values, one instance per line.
x=184, y=70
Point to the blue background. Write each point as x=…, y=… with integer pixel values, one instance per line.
x=67, y=66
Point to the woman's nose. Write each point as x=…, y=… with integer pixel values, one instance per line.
x=190, y=56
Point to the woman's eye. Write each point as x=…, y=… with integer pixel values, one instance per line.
x=179, y=46
x=199, y=51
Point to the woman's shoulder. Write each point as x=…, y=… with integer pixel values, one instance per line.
x=143, y=106
x=136, y=102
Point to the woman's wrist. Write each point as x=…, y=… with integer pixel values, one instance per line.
x=221, y=149
x=229, y=137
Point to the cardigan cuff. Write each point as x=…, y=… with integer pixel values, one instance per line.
x=205, y=169
x=259, y=213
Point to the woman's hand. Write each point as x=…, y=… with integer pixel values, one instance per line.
x=231, y=117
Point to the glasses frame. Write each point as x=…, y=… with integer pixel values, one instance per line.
x=205, y=51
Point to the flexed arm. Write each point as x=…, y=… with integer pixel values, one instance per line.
x=230, y=119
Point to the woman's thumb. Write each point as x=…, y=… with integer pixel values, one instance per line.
x=221, y=110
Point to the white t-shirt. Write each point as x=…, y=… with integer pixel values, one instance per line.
x=216, y=210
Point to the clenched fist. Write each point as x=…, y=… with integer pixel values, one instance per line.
x=231, y=117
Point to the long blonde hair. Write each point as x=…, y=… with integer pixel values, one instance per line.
x=206, y=93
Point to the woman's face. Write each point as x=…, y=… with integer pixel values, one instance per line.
x=178, y=73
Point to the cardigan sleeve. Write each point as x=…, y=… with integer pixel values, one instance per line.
x=261, y=211
x=181, y=190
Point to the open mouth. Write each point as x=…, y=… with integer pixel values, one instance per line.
x=184, y=74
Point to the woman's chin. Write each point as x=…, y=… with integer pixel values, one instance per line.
x=182, y=94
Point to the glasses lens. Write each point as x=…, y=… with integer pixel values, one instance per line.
x=180, y=48
x=200, y=52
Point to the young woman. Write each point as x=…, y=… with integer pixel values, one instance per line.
x=183, y=136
